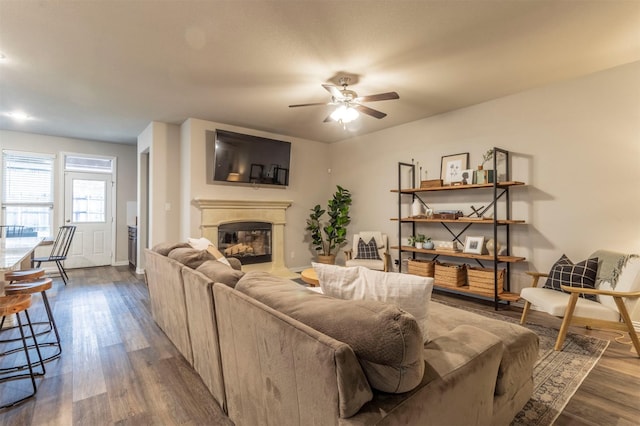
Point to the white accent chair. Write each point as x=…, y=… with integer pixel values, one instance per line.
x=610, y=311
x=382, y=242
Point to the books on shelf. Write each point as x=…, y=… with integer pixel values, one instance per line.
x=452, y=246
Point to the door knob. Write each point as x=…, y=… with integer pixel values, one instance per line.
x=68, y=220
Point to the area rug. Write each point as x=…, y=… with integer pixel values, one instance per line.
x=557, y=375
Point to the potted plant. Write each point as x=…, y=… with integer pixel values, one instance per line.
x=328, y=237
x=419, y=239
x=428, y=244
x=487, y=156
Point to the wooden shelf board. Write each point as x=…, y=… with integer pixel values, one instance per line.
x=459, y=254
x=506, y=296
x=459, y=220
x=458, y=187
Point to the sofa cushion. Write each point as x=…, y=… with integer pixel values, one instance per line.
x=220, y=273
x=166, y=248
x=190, y=257
x=409, y=292
x=386, y=339
x=565, y=272
x=520, y=343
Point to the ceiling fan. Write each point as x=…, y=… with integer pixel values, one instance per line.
x=349, y=104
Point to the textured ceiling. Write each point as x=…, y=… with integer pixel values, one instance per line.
x=103, y=70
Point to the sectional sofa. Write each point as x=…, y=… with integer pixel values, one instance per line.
x=274, y=353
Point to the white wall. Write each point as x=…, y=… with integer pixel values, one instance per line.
x=308, y=185
x=126, y=172
x=576, y=144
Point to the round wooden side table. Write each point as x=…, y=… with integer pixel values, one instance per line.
x=310, y=277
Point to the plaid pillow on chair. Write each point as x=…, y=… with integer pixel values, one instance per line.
x=565, y=272
x=367, y=250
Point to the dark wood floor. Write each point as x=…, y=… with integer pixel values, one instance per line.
x=119, y=368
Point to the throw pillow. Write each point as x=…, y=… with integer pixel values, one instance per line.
x=220, y=273
x=385, y=338
x=410, y=293
x=367, y=250
x=582, y=274
x=166, y=248
x=190, y=257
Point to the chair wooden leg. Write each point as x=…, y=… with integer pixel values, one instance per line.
x=627, y=320
x=525, y=311
x=566, y=322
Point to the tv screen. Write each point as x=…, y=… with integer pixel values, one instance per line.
x=249, y=159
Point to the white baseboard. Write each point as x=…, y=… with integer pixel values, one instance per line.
x=120, y=263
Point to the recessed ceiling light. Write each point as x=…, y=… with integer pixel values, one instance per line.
x=18, y=115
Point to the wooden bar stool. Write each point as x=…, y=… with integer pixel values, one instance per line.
x=24, y=275
x=18, y=304
x=31, y=287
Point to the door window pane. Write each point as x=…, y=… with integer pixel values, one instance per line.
x=88, y=200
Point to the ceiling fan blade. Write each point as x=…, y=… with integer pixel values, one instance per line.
x=369, y=111
x=379, y=97
x=335, y=92
x=313, y=104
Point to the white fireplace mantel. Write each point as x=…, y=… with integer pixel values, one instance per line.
x=217, y=212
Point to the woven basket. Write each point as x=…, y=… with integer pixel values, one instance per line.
x=450, y=275
x=481, y=280
x=421, y=267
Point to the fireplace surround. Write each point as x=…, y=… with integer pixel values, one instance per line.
x=215, y=213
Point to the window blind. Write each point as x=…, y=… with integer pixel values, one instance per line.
x=28, y=178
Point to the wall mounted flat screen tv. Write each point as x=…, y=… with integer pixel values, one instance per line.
x=238, y=158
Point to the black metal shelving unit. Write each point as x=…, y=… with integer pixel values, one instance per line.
x=499, y=190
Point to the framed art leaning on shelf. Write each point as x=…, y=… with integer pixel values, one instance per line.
x=452, y=166
x=473, y=245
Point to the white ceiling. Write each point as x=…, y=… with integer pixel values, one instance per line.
x=103, y=70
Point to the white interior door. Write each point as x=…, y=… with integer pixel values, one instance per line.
x=87, y=205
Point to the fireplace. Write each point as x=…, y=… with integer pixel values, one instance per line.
x=249, y=242
x=215, y=214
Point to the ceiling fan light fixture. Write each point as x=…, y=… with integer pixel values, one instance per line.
x=345, y=114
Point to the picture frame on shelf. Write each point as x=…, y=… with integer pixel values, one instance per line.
x=473, y=245
x=467, y=177
x=452, y=166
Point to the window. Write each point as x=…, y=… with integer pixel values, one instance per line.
x=88, y=164
x=27, y=196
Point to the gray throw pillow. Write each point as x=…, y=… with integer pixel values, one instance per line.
x=218, y=272
x=386, y=339
x=190, y=257
x=166, y=248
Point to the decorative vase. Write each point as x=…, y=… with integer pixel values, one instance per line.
x=327, y=260
x=418, y=245
x=416, y=208
x=493, y=247
x=428, y=245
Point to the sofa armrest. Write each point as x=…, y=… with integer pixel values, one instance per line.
x=235, y=263
x=461, y=373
